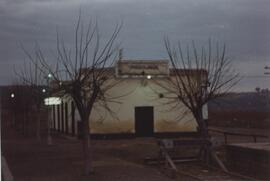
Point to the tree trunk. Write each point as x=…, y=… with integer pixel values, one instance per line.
x=87, y=149
x=203, y=128
x=205, y=150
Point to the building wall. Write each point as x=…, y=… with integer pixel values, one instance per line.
x=140, y=92
x=127, y=94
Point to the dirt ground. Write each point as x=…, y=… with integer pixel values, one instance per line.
x=116, y=160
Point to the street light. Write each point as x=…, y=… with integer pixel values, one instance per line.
x=12, y=95
x=47, y=102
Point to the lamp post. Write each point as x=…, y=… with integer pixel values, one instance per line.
x=49, y=101
x=12, y=96
x=49, y=136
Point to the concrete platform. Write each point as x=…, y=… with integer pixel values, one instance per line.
x=254, y=146
x=252, y=159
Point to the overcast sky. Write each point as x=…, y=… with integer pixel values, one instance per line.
x=244, y=25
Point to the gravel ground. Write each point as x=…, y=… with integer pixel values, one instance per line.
x=113, y=160
x=116, y=160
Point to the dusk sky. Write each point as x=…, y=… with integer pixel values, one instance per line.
x=244, y=25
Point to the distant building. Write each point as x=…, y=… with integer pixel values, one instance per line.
x=141, y=109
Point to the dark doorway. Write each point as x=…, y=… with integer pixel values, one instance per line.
x=144, y=121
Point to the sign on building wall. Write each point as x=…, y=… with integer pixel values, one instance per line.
x=52, y=101
x=137, y=68
x=205, y=111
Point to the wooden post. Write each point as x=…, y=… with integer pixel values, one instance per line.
x=219, y=162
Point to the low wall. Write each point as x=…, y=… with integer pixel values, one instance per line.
x=251, y=159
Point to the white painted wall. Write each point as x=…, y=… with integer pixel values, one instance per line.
x=130, y=93
x=140, y=92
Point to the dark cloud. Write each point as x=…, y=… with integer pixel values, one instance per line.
x=244, y=25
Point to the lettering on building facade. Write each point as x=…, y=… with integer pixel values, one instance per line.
x=138, y=68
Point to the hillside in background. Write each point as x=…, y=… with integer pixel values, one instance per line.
x=250, y=101
x=243, y=110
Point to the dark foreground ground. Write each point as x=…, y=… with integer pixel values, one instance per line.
x=116, y=160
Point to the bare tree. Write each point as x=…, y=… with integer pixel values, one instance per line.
x=81, y=72
x=200, y=75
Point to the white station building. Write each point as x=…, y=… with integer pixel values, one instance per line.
x=140, y=109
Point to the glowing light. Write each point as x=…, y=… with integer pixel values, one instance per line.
x=49, y=76
x=52, y=101
x=43, y=90
x=12, y=95
x=149, y=76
